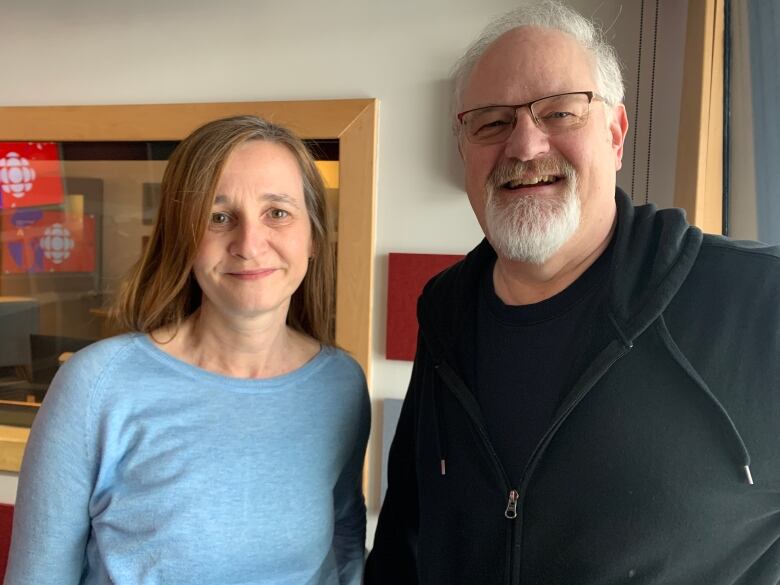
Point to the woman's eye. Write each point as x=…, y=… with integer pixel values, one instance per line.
x=220, y=218
x=278, y=214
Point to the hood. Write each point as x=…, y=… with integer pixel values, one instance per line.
x=653, y=254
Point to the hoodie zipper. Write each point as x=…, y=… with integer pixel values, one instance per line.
x=511, y=514
x=511, y=507
x=468, y=402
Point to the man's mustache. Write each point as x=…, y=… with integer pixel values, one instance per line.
x=511, y=170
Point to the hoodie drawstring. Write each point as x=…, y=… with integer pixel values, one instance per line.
x=724, y=415
x=438, y=423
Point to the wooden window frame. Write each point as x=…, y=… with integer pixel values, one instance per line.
x=699, y=174
x=353, y=122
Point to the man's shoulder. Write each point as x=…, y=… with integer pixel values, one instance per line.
x=740, y=259
x=730, y=272
x=729, y=249
x=455, y=281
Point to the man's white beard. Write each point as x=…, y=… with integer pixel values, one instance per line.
x=529, y=229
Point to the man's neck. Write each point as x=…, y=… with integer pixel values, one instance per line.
x=523, y=283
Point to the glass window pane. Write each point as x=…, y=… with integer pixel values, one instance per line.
x=754, y=122
x=74, y=217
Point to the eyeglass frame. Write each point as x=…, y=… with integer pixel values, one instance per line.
x=590, y=94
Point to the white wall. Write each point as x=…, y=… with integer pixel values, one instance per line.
x=7, y=487
x=82, y=52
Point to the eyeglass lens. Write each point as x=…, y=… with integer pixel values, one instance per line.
x=553, y=115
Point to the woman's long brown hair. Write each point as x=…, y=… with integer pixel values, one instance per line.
x=161, y=290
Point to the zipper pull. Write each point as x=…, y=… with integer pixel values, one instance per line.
x=511, y=507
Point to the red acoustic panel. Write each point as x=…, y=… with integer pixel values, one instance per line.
x=406, y=277
x=6, y=523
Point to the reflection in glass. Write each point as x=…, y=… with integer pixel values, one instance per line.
x=74, y=217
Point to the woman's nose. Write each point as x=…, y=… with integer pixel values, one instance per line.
x=249, y=239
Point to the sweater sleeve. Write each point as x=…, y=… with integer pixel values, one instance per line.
x=393, y=559
x=51, y=518
x=349, y=539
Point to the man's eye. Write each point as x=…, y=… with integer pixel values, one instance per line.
x=490, y=127
x=494, y=124
x=278, y=214
x=557, y=115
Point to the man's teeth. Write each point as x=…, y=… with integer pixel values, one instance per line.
x=544, y=179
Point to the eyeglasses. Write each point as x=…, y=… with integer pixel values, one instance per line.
x=553, y=114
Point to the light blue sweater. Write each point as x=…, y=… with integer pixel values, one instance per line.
x=142, y=469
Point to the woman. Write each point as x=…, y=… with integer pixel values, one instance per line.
x=221, y=442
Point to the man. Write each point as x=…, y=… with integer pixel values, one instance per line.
x=593, y=380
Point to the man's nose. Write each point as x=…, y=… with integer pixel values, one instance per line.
x=527, y=141
x=248, y=240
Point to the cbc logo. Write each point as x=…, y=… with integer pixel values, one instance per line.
x=56, y=243
x=16, y=175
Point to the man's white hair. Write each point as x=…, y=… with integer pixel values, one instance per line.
x=554, y=15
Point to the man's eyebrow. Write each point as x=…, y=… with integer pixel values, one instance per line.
x=272, y=197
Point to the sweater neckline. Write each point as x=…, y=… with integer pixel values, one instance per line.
x=192, y=371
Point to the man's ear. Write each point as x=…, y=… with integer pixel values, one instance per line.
x=618, y=128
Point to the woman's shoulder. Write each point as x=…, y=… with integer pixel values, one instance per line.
x=343, y=377
x=89, y=367
x=338, y=360
x=81, y=381
x=101, y=354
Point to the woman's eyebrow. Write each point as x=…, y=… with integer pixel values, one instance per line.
x=272, y=197
x=280, y=198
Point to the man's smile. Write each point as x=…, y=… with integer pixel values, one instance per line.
x=531, y=181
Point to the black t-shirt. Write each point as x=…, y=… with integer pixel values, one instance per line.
x=523, y=360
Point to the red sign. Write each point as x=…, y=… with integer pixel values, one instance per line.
x=406, y=277
x=47, y=241
x=30, y=174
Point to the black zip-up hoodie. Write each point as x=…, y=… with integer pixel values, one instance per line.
x=662, y=466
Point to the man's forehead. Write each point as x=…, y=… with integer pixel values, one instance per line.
x=539, y=41
x=527, y=63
